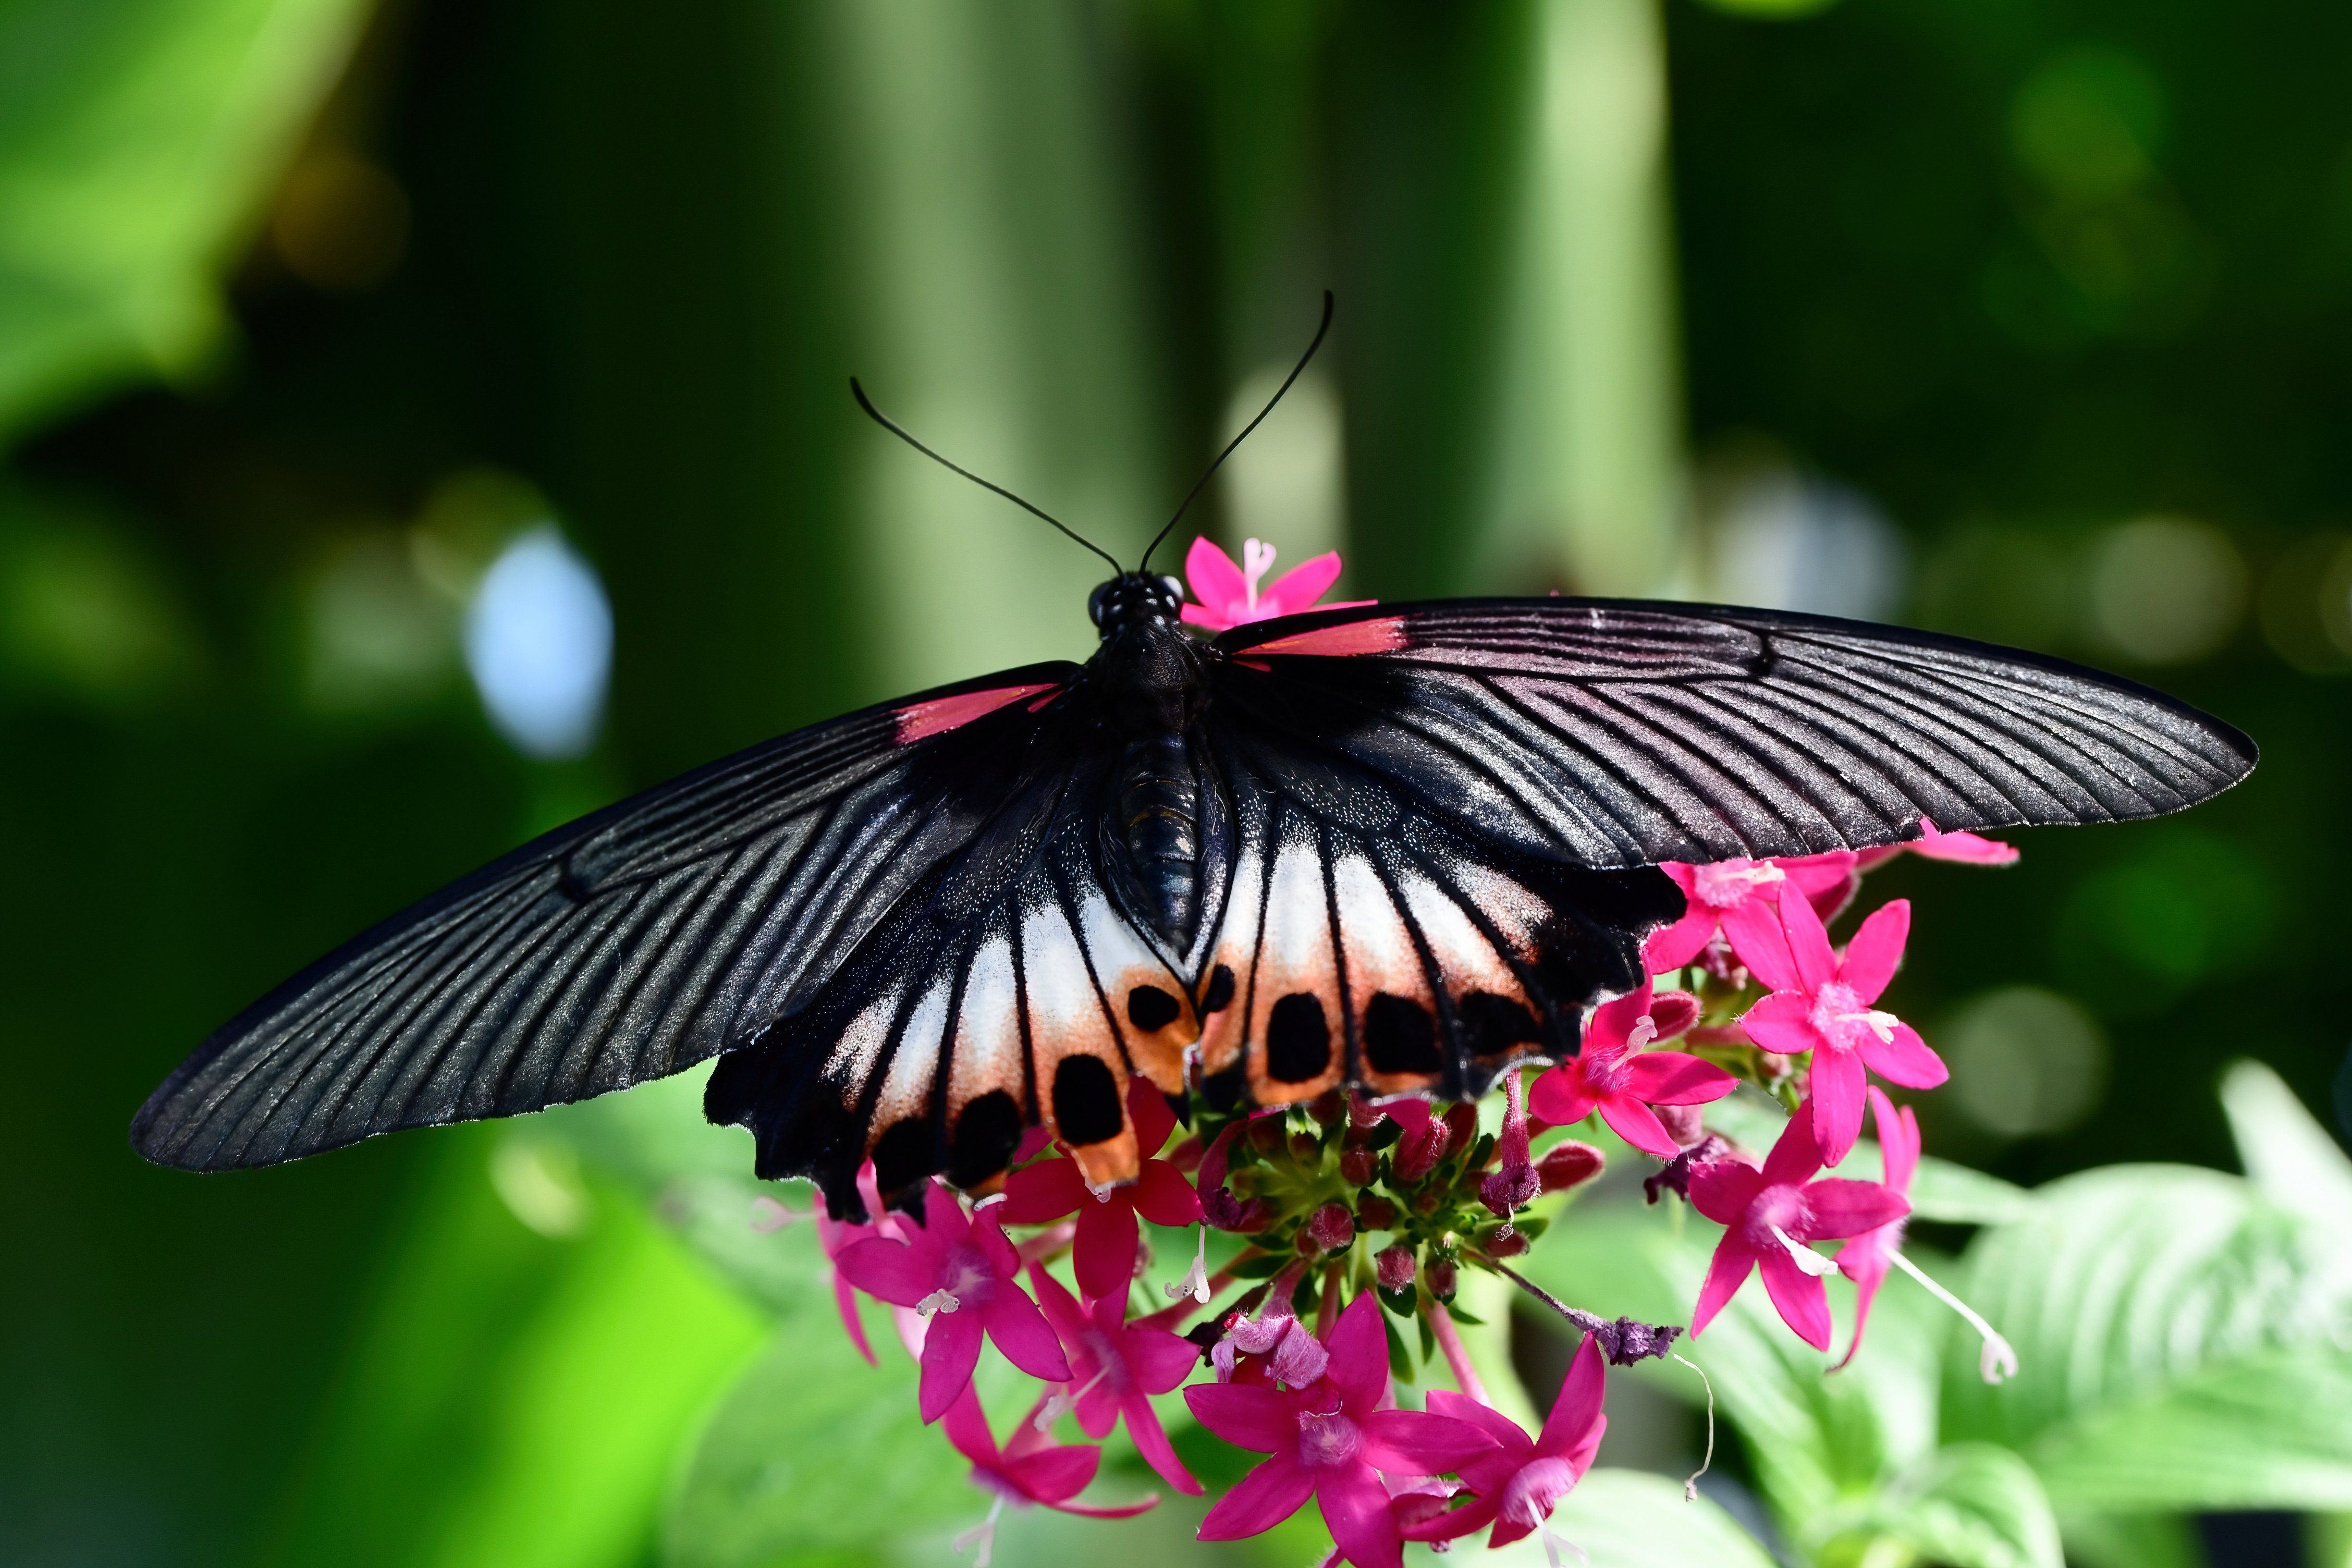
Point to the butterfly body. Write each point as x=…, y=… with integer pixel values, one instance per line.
x=1398, y=847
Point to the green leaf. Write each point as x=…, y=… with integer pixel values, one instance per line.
x=2177, y=1335
x=136, y=138
x=2130, y=1541
x=1972, y=1505
x=814, y=1451
x=1626, y=1519
x=2286, y=1153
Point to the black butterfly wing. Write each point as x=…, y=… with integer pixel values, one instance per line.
x=1006, y=991
x=1616, y=733
x=1447, y=814
x=624, y=947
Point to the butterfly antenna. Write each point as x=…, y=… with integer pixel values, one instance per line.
x=1295, y=371
x=900, y=430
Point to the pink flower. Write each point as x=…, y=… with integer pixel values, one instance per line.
x=1614, y=1074
x=1106, y=1249
x=1229, y=595
x=1522, y=1480
x=1769, y=1215
x=962, y=1273
x=1865, y=1258
x=1821, y=1003
x=1219, y=1207
x=1032, y=1468
x=1967, y=849
x=1114, y=1367
x=1425, y=1140
x=1738, y=896
x=1330, y=1441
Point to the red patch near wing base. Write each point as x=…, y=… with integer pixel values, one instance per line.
x=919, y=721
x=1382, y=634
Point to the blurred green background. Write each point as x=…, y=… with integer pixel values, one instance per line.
x=2028, y=321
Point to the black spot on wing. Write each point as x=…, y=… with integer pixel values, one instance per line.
x=986, y=1135
x=904, y=1155
x=1223, y=1090
x=1151, y=1009
x=1400, y=1036
x=1220, y=994
x=1297, y=1039
x=1492, y=1024
x=1086, y=1101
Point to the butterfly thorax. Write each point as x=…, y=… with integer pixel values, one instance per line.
x=1146, y=677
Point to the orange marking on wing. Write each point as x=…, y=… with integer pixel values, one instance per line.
x=1158, y=1054
x=1295, y=959
x=1382, y=634
x=918, y=721
x=1382, y=960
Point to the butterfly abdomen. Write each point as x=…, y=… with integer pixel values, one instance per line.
x=1157, y=814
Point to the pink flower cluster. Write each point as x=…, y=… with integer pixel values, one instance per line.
x=1300, y=1367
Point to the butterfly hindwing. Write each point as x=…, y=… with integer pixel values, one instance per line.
x=1006, y=992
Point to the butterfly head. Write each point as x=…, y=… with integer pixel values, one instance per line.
x=1133, y=600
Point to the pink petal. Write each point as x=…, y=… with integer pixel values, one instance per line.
x=1726, y=1271
x=967, y=1429
x=1508, y=1436
x=1609, y=1029
x=1105, y=1251
x=1065, y=1317
x=1056, y=1473
x=1020, y=1330
x=1355, y=1506
x=1866, y=1281
x=1837, y=1207
x=1722, y=1189
x=1966, y=847
x=987, y=1237
x=1299, y=587
x=1672, y=1013
x=1578, y=1404
x=1156, y=1360
x=1816, y=874
x=1838, y=1082
x=950, y=1350
x=1876, y=949
x=1264, y=1498
x=1802, y=1301
x=1757, y=935
x=1207, y=620
x=1638, y=1125
x=888, y=1270
x=1673, y=1078
x=1669, y=948
x=1164, y=1197
x=1045, y=1191
x=1905, y=1058
x=1808, y=946
x=1898, y=1139
x=1559, y=1095
x=1152, y=1442
x=1360, y=1356
x=1782, y=1024
x=845, y=1296
x=1123, y=1511
x=1414, y=1443
x=1795, y=1156
x=1453, y=1523
x=1216, y=582
x=1246, y=1416
x=1147, y=1107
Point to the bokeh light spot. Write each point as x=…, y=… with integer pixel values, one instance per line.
x=539, y=641
x=2165, y=590
x=2025, y=1061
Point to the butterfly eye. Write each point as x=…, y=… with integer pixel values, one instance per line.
x=1095, y=601
x=1175, y=588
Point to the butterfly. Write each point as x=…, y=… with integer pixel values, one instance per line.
x=1395, y=847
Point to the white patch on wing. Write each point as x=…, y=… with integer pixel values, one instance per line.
x=860, y=1046
x=987, y=1028
x=1121, y=962
x=1063, y=1007
x=1380, y=954
x=907, y=1091
x=1464, y=956
x=1515, y=911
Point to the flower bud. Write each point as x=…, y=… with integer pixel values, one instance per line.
x=1566, y=1165
x=1331, y=1225
x=1306, y=1149
x=1356, y=1167
x=1440, y=1277
x=1394, y=1265
x=1327, y=1107
x=1684, y=1123
x=1506, y=1242
x=1672, y=1013
x=1375, y=1214
x=1461, y=1122
x=1265, y=1134
x=1418, y=1151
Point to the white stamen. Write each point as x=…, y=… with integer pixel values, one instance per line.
x=1060, y=1405
x=1722, y=886
x=1997, y=1361
x=1195, y=1282
x=1552, y=1544
x=1646, y=1029
x=769, y=1216
x=1690, y=1482
x=983, y=1534
x=1257, y=560
x=938, y=1301
x=1804, y=1257
x=1878, y=1023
